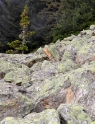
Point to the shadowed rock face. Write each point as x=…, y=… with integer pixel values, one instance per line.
x=37, y=88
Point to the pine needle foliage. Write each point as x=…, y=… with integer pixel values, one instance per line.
x=19, y=46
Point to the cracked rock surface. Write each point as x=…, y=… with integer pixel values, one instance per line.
x=54, y=85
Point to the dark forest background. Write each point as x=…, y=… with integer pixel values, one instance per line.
x=50, y=19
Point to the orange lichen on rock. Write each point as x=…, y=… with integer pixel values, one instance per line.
x=48, y=54
x=70, y=95
x=92, y=59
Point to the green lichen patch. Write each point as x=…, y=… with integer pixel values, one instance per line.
x=47, y=117
x=6, y=66
x=73, y=114
x=89, y=67
x=36, y=66
x=54, y=52
x=78, y=42
x=93, y=122
x=17, y=105
x=66, y=66
x=67, y=55
x=20, y=75
x=85, y=49
x=51, y=86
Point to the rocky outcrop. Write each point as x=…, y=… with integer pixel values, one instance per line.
x=54, y=85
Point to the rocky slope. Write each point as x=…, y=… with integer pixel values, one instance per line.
x=54, y=85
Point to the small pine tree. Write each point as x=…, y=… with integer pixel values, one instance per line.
x=20, y=45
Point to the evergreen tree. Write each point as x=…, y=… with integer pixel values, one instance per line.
x=20, y=45
x=78, y=15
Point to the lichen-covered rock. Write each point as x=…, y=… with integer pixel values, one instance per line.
x=92, y=27
x=18, y=76
x=81, y=81
x=45, y=117
x=66, y=66
x=86, y=53
x=72, y=47
x=13, y=102
x=73, y=114
x=36, y=66
x=93, y=122
x=86, y=32
x=40, y=51
x=54, y=51
x=27, y=59
x=6, y=66
x=67, y=77
x=47, y=70
x=14, y=72
x=69, y=38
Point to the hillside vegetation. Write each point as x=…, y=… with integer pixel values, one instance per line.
x=50, y=19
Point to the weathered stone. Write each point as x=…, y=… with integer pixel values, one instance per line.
x=27, y=59
x=77, y=43
x=54, y=52
x=47, y=69
x=19, y=75
x=92, y=27
x=36, y=66
x=7, y=66
x=40, y=51
x=88, y=33
x=36, y=58
x=51, y=92
x=93, y=122
x=12, y=102
x=71, y=48
x=78, y=113
x=52, y=101
x=83, y=81
x=45, y=84
x=86, y=53
x=66, y=66
x=70, y=38
x=45, y=117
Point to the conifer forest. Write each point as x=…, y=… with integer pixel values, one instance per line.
x=49, y=19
